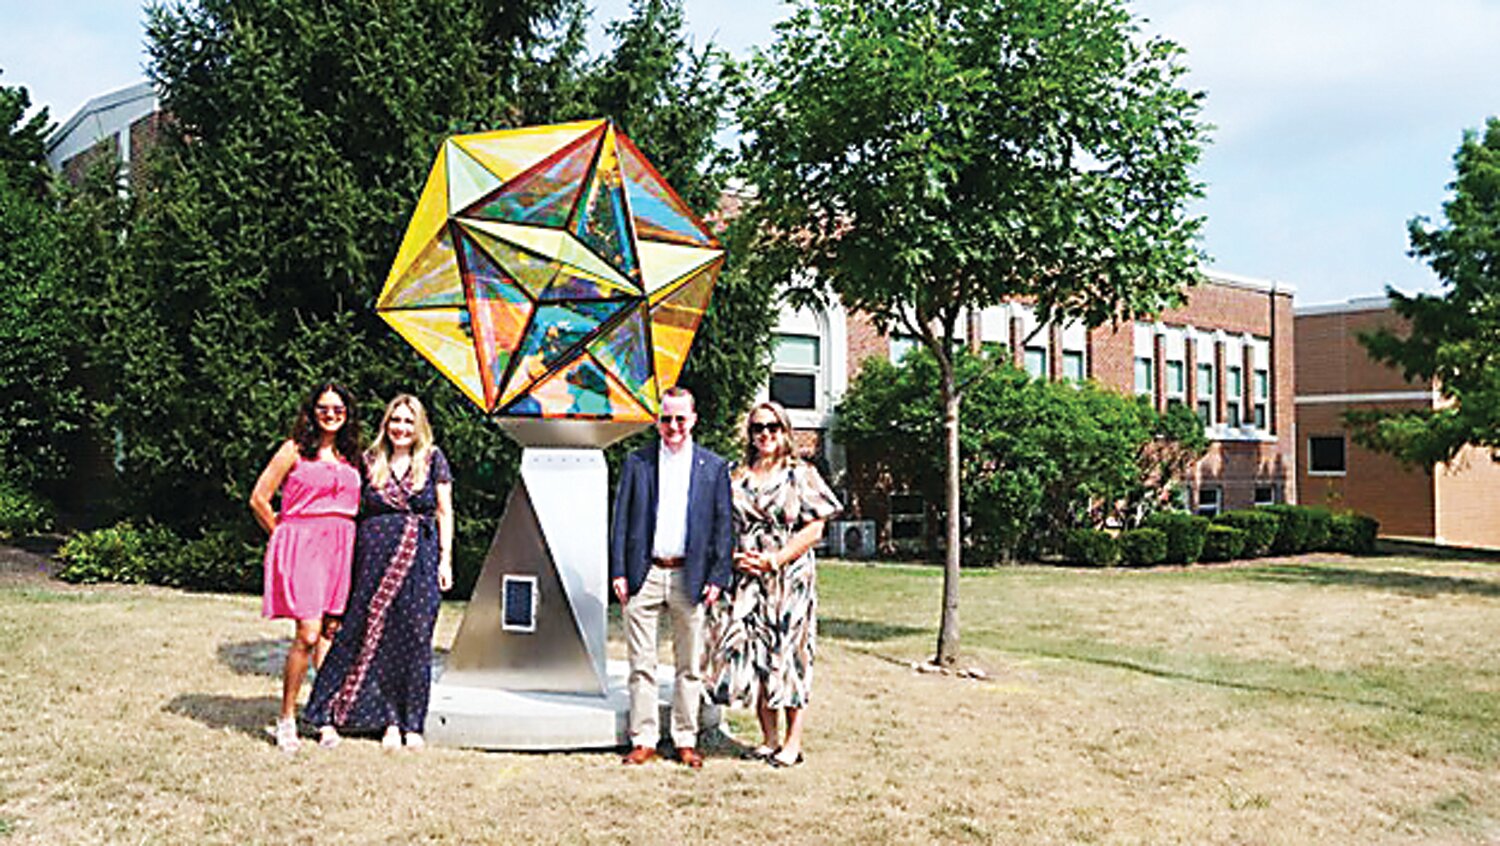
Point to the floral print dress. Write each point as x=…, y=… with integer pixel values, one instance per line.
x=763, y=632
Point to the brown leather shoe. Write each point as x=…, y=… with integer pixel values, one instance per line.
x=639, y=755
x=690, y=757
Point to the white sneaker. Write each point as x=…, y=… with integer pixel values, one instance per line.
x=415, y=742
x=286, y=736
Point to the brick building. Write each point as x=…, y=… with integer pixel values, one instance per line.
x=1452, y=503
x=119, y=125
x=1227, y=353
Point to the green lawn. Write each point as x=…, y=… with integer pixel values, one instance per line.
x=1319, y=699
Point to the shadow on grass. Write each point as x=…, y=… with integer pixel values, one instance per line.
x=1419, y=584
x=254, y=657
x=864, y=631
x=248, y=715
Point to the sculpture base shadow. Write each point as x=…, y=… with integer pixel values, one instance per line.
x=517, y=720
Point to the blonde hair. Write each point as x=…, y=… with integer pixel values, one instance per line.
x=784, y=453
x=378, y=456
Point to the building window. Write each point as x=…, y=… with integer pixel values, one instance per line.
x=1145, y=376
x=1036, y=362
x=1207, y=386
x=1325, y=455
x=1234, y=394
x=794, y=371
x=1072, y=365
x=901, y=345
x=1261, y=387
x=1209, y=501
x=1265, y=495
x=1176, y=386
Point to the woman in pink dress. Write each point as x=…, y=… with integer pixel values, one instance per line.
x=312, y=536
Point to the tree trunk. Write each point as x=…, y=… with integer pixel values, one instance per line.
x=947, y=645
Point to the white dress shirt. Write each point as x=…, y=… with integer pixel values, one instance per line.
x=674, y=475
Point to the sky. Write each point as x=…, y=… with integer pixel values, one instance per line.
x=1336, y=120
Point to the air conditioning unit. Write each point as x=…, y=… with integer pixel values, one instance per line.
x=850, y=538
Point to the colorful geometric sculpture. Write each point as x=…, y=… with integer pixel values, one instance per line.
x=552, y=274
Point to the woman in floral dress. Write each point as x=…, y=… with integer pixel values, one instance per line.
x=379, y=673
x=765, y=634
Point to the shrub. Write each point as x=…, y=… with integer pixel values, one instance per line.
x=1092, y=548
x=220, y=561
x=120, y=553
x=1353, y=532
x=22, y=512
x=1143, y=547
x=1224, y=543
x=1185, y=533
x=1259, y=526
x=1302, y=529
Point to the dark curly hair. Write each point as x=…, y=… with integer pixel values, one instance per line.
x=306, y=434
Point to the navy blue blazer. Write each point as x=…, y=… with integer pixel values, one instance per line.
x=710, y=521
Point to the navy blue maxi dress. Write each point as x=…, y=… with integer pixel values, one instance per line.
x=379, y=671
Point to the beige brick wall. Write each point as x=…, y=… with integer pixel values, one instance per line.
x=1468, y=499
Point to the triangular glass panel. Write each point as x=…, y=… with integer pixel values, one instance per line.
x=572, y=284
x=532, y=270
x=658, y=212
x=581, y=389
x=675, y=319
x=556, y=330
x=625, y=351
x=468, y=180
x=546, y=194
x=432, y=281
x=500, y=310
x=602, y=222
x=508, y=153
x=663, y=263
x=443, y=337
x=429, y=218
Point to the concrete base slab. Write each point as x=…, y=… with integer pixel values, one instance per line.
x=487, y=718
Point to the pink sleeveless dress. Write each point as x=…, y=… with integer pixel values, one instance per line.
x=309, y=555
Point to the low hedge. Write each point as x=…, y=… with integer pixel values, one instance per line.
x=1224, y=543
x=1258, y=524
x=1352, y=532
x=1143, y=547
x=1092, y=548
x=119, y=553
x=1185, y=534
x=22, y=512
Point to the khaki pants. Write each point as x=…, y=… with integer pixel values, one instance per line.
x=664, y=589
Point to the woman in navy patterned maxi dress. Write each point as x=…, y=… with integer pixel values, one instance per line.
x=379, y=672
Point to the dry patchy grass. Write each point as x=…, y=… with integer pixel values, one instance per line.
x=1309, y=700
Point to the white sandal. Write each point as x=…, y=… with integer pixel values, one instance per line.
x=391, y=740
x=328, y=737
x=286, y=736
x=415, y=742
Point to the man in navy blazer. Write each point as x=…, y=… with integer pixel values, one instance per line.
x=670, y=545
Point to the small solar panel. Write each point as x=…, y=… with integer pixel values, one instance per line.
x=518, y=603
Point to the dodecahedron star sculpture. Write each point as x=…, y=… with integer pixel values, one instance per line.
x=552, y=274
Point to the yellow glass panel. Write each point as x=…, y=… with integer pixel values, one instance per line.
x=533, y=271
x=675, y=319
x=467, y=179
x=585, y=259
x=543, y=242
x=432, y=281
x=663, y=263
x=507, y=153
x=430, y=216
x=443, y=337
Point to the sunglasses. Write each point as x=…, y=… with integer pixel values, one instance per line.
x=672, y=419
x=332, y=410
x=772, y=427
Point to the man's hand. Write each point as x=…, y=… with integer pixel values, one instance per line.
x=710, y=593
x=621, y=590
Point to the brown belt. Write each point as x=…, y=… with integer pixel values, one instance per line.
x=668, y=563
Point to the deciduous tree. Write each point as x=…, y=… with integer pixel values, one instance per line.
x=922, y=159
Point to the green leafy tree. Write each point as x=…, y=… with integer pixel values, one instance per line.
x=39, y=399
x=1454, y=336
x=1040, y=459
x=922, y=159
